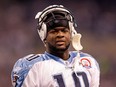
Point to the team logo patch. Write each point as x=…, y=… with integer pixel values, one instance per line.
x=85, y=63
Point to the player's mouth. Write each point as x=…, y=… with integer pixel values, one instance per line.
x=60, y=42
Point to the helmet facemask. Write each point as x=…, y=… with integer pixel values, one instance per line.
x=56, y=19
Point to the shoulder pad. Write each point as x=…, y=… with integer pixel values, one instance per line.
x=21, y=68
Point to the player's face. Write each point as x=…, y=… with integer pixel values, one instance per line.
x=58, y=39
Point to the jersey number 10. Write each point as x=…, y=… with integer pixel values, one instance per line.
x=77, y=83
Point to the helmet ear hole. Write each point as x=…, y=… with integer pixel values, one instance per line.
x=72, y=29
x=42, y=32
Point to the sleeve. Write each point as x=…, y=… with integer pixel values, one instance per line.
x=19, y=71
x=17, y=74
x=95, y=74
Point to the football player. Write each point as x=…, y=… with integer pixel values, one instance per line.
x=57, y=66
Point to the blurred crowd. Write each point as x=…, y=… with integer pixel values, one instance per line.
x=96, y=21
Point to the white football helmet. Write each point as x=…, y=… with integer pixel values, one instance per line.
x=42, y=28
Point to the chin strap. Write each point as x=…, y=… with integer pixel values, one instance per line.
x=76, y=42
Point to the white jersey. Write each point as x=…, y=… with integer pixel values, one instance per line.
x=50, y=71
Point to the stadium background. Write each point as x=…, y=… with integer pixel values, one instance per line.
x=96, y=21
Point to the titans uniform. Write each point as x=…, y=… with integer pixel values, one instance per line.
x=46, y=70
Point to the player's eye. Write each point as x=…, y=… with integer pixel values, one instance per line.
x=65, y=30
x=52, y=31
